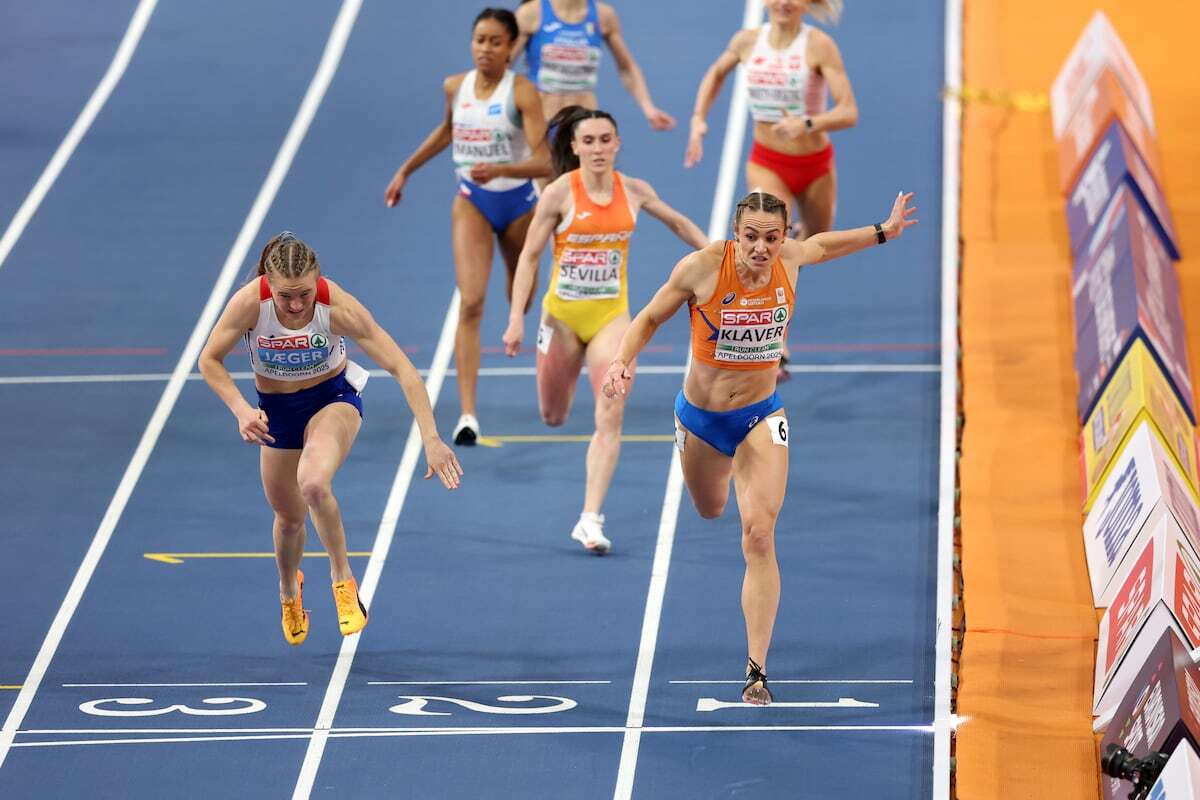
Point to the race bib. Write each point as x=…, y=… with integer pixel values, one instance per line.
x=751, y=335
x=569, y=67
x=585, y=274
x=779, y=429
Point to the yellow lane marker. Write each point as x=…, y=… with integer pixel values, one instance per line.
x=500, y=441
x=10, y=688
x=1019, y=100
x=179, y=558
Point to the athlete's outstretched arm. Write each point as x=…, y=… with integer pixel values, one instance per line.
x=629, y=71
x=658, y=208
x=437, y=141
x=835, y=244
x=679, y=288
x=238, y=317
x=545, y=217
x=710, y=88
x=533, y=122
x=350, y=318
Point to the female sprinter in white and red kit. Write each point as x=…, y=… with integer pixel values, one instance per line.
x=292, y=320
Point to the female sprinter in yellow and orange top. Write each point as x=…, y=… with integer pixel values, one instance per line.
x=729, y=419
x=309, y=410
x=494, y=121
x=591, y=209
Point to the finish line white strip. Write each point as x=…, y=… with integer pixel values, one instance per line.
x=379, y=552
x=266, y=195
x=365, y=733
x=83, y=123
x=170, y=685
x=718, y=222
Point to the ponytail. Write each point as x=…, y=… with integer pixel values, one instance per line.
x=561, y=130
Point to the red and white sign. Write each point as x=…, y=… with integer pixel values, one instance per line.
x=1143, y=484
x=1102, y=102
x=1159, y=588
x=1098, y=47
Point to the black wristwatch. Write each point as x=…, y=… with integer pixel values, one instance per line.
x=808, y=123
x=879, y=237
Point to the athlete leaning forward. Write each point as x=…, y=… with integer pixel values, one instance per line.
x=729, y=421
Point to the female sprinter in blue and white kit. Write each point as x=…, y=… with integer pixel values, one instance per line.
x=494, y=121
x=562, y=41
x=729, y=421
x=309, y=411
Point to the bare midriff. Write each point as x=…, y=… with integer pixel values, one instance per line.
x=715, y=389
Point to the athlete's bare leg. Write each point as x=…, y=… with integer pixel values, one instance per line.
x=511, y=242
x=760, y=468
x=472, y=237
x=605, y=447
x=327, y=441
x=278, y=468
x=559, y=358
x=818, y=204
x=706, y=472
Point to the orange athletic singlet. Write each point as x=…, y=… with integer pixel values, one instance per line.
x=741, y=329
x=589, y=286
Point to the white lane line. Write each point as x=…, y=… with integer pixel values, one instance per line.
x=266, y=195
x=363, y=733
x=484, y=372
x=704, y=704
x=774, y=681
x=379, y=552
x=485, y=683
x=947, y=463
x=718, y=221
x=116, y=70
x=165, y=685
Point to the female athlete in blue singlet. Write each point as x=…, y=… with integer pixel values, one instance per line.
x=494, y=121
x=562, y=40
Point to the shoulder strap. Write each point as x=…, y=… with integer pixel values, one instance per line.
x=322, y=291
x=264, y=288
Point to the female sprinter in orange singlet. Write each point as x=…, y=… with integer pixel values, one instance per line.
x=729, y=419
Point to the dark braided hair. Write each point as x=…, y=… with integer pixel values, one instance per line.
x=287, y=257
x=561, y=130
x=761, y=201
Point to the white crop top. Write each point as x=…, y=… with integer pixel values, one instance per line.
x=284, y=354
x=781, y=79
x=488, y=131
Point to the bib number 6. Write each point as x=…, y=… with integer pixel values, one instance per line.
x=779, y=430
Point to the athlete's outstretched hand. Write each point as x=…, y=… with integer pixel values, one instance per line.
x=252, y=425
x=695, y=145
x=900, y=217
x=513, y=335
x=392, y=195
x=443, y=463
x=659, y=120
x=616, y=380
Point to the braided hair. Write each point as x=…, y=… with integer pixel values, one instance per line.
x=287, y=257
x=761, y=201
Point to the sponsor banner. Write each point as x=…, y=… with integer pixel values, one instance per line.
x=1160, y=712
x=1098, y=47
x=1143, y=483
x=1159, y=590
x=751, y=335
x=1127, y=287
x=1136, y=389
x=1116, y=161
x=1103, y=102
x=1180, y=778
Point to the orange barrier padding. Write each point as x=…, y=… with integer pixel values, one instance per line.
x=1025, y=673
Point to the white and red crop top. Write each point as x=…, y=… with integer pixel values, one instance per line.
x=284, y=354
x=781, y=79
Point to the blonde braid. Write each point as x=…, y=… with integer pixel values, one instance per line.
x=287, y=256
